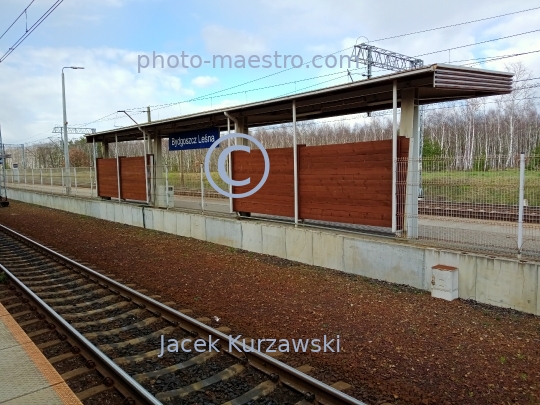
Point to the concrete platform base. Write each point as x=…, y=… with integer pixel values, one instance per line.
x=26, y=377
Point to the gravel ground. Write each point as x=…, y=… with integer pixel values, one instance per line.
x=398, y=345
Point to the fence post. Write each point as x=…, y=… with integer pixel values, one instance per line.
x=394, y=156
x=41, y=178
x=166, y=186
x=521, y=196
x=229, y=167
x=51, y=181
x=62, y=171
x=33, y=178
x=75, y=175
x=295, y=164
x=117, y=166
x=202, y=188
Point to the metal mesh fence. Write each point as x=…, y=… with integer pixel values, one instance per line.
x=54, y=180
x=473, y=204
x=463, y=203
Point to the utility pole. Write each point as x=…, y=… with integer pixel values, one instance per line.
x=66, y=145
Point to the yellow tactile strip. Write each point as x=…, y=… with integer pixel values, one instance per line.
x=47, y=370
x=3, y=311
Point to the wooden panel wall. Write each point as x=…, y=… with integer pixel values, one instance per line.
x=107, y=177
x=132, y=182
x=348, y=183
x=276, y=197
x=132, y=186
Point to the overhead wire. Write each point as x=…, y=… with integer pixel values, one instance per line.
x=216, y=93
x=377, y=40
x=17, y=19
x=31, y=29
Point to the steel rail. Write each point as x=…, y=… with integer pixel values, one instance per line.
x=136, y=390
x=311, y=388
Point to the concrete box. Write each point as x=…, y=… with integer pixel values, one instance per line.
x=445, y=282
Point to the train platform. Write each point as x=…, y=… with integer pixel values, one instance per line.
x=26, y=377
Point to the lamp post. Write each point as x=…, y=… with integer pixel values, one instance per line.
x=66, y=146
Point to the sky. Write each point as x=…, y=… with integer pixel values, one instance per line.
x=110, y=39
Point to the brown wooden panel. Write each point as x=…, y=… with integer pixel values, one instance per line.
x=349, y=183
x=107, y=177
x=276, y=197
x=132, y=181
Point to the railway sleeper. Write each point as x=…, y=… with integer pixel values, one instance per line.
x=134, y=341
x=74, y=297
x=75, y=315
x=103, y=321
x=146, y=322
x=45, y=294
x=85, y=304
x=58, y=280
x=47, y=288
x=263, y=389
x=199, y=359
x=41, y=274
x=185, y=391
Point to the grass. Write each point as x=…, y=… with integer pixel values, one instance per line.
x=193, y=181
x=3, y=278
x=491, y=187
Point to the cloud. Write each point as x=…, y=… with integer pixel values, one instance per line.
x=220, y=41
x=204, y=81
x=109, y=83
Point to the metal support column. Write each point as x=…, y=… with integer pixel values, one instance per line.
x=202, y=188
x=295, y=164
x=117, y=166
x=394, y=155
x=95, y=163
x=145, y=167
x=409, y=127
x=229, y=165
x=521, y=202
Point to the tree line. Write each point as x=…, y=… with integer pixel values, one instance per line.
x=492, y=130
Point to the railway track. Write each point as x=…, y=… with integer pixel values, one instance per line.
x=104, y=338
x=491, y=212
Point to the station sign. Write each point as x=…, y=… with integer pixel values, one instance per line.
x=196, y=139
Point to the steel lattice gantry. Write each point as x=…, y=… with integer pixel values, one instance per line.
x=372, y=56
